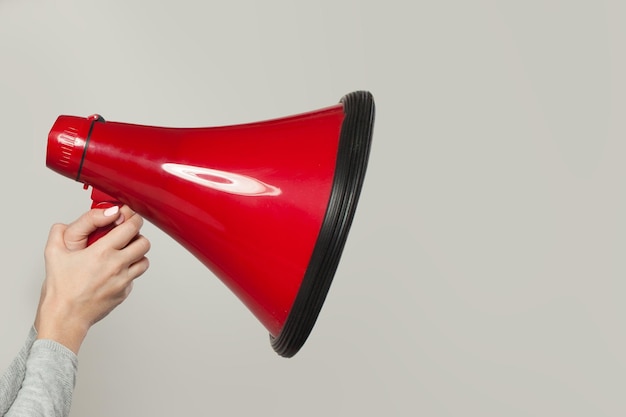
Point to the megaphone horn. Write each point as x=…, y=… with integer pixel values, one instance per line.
x=266, y=206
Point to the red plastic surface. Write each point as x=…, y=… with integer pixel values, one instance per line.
x=248, y=200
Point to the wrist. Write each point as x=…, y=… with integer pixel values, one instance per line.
x=60, y=325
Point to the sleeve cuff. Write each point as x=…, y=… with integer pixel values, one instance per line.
x=56, y=347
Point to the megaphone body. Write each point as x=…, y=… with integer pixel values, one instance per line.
x=266, y=206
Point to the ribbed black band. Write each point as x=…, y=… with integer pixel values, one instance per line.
x=96, y=118
x=352, y=156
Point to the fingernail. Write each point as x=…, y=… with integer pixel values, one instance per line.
x=111, y=211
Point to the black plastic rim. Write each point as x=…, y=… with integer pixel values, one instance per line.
x=96, y=118
x=352, y=156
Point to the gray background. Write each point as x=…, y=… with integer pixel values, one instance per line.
x=484, y=274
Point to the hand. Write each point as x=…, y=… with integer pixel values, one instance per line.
x=85, y=283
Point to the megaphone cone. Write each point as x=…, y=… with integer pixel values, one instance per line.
x=266, y=206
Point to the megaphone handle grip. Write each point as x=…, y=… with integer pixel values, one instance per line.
x=101, y=200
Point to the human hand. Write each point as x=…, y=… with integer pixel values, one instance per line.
x=85, y=283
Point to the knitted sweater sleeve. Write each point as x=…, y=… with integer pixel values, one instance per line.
x=11, y=380
x=42, y=384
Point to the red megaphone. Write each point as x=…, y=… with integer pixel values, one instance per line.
x=266, y=206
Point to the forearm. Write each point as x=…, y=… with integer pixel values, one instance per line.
x=12, y=379
x=48, y=382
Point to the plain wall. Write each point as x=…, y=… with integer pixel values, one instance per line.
x=484, y=273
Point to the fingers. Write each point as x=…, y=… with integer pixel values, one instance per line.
x=138, y=268
x=126, y=213
x=124, y=233
x=135, y=251
x=77, y=232
x=124, y=238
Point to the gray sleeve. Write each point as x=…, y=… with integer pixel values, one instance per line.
x=48, y=383
x=12, y=379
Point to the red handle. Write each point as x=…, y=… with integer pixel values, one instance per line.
x=101, y=200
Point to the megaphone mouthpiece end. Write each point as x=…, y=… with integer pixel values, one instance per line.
x=66, y=145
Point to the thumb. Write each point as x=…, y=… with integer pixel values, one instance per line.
x=76, y=234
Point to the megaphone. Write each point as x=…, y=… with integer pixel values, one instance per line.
x=266, y=206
